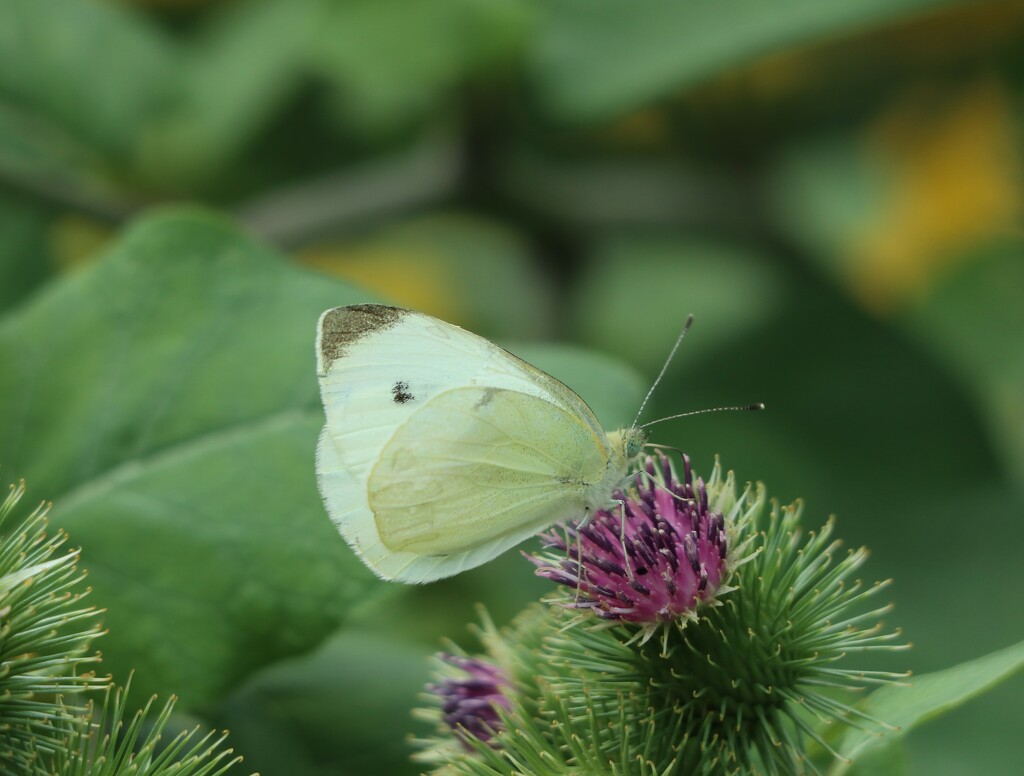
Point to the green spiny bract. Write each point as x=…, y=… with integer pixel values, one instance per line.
x=49, y=723
x=45, y=635
x=109, y=740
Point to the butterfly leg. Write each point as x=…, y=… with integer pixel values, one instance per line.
x=581, y=572
x=621, y=505
x=654, y=481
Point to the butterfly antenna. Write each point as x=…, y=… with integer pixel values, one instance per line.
x=748, y=407
x=665, y=447
x=664, y=368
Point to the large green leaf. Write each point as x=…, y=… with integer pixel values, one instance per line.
x=394, y=60
x=929, y=696
x=597, y=58
x=166, y=400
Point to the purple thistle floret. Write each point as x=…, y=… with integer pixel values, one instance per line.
x=469, y=705
x=675, y=550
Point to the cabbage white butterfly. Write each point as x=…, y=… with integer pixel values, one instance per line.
x=441, y=450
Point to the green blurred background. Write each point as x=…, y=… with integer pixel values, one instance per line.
x=835, y=190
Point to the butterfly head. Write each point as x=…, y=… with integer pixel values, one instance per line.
x=627, y=444
x=624, y=448
x=633, y=440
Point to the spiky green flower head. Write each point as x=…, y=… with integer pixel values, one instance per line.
x=754, y=681
x=45, y=636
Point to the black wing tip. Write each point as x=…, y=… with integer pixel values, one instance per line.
x=341, y=327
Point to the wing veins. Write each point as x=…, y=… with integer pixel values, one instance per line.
x=493, y=490
x=511, y=439
x=499, y=465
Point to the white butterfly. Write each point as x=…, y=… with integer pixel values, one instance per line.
x=441, y=450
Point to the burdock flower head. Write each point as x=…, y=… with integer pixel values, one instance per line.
x=762, y=680
x=470, y=700
x=656, y=559
x=754, y=671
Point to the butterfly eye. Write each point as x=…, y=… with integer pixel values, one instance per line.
x=634, y=443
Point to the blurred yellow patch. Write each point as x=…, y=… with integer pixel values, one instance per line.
x=406, y=278
x=953, y=169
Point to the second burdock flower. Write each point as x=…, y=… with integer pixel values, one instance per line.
x=470, y=700
x=666, y=551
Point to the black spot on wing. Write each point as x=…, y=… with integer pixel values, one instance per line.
x=401, y=393
x=343, y=326
x=486, y=399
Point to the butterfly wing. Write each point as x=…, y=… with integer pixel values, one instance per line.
x=441, y=450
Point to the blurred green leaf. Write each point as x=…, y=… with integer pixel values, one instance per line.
x=974, y=321
x=887, y=759
x=825, y=195
x=928, y=697
x=44, y=161
x=638, y=289
x=24, y=253
x=234, y=75
x=96, y=70
x=613, y=389
x=343, y=710
x=393, y=60
x=594, y=59
x=166, y=400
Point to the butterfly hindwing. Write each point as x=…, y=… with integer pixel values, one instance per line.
x=477, y=464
